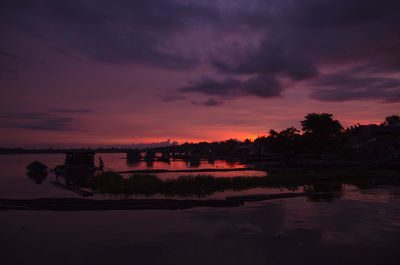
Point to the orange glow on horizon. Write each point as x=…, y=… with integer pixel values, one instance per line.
x=237, y=136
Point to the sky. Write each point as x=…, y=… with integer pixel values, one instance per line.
x=103, y=73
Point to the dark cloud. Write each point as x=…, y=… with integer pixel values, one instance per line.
x=301, y=36
x=344, y=86
x=170, y=95
x=71, y=110
x=37, y=121
x=210, y=86
x=8, y=65
x=25, y=116
x=265, y=86
x=271, y=40
x=270, y=58
x=8, y=72
x=210, y=102
x=58, y=124
x=113, y=32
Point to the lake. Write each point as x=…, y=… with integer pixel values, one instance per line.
x=15, y=184
x=358, y=226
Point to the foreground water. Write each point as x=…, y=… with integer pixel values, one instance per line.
x=361, y=227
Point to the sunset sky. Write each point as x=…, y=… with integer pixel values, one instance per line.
x=102, y=73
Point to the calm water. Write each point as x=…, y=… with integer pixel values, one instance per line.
x=355, y=227
x=361, y=227
x=15, y=184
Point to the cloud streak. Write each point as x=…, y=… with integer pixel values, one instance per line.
x=209, y=103
x=41, y=120
x=24, y=115
x=58, y=124
x=345, y=86
x=264, y=86
x=61, y=110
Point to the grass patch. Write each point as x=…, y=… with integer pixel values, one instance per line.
x=143, y=184
x=107, y=182
x=203, y=185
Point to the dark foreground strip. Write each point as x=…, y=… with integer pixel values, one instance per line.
x=72, y=204
x=73, y=189
x=76, y=204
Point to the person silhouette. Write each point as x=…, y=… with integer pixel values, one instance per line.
x=101, y=164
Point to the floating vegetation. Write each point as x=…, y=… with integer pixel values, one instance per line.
x=186, y=186
x=204, y=185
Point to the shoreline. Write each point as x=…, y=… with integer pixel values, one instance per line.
x=78, y=204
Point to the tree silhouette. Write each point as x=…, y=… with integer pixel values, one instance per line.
x=391, y=120
x=321, y=124
x=283, y=141
x=289, y=132
x=273, y=133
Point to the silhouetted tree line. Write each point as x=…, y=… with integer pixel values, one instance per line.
x=320, y=134
x=324, y=135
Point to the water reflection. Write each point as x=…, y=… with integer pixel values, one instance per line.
x=193, y=163
x=165, y=161
x=122, y=164
x=37, y=177
x=132, y=163
x=326, y=191
x=149, y=163
x=351, y=230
